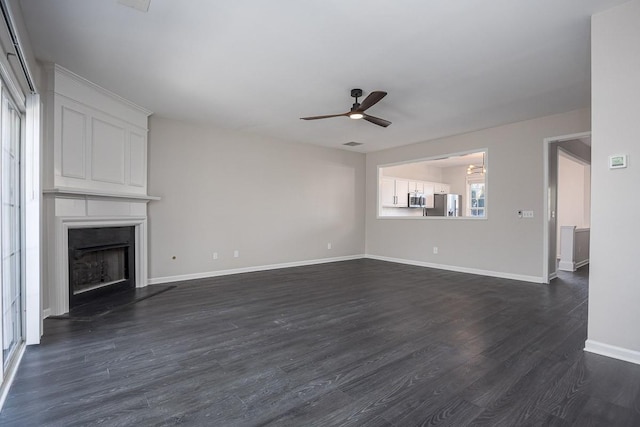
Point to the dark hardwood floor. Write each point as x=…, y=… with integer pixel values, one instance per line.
x=359, y=343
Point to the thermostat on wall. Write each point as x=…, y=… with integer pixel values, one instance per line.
x=618, y=161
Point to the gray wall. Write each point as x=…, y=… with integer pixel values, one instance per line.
x=502, y=243
x=273, y=201
x=614, y=289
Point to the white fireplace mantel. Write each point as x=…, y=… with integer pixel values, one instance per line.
x=85, y=194
x=67, y=211
x=94, y=174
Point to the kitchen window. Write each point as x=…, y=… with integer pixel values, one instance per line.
x=476, y=196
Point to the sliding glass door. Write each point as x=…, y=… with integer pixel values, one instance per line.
x=11, y=296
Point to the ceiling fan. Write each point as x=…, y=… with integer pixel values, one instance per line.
x=358, y=109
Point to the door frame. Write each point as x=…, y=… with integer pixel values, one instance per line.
x=546, y=198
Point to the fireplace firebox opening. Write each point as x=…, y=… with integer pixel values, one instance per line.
x=101, y=261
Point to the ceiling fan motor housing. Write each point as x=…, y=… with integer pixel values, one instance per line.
x=356, y=93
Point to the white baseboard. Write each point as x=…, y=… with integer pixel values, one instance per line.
x=207, y=274
x=46, y=313
x=498, y=274
x=613, y=351
x=204, y=275
x=566, y=266
x=581, y=263
x=571, y=266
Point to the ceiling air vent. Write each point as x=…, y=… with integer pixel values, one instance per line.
x=352, y=144
x=141, y=5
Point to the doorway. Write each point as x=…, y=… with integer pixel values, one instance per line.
x=567, y=199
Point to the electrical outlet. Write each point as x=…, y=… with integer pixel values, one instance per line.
x=215, y=255
x=527, y=214
x=236, y=253
x=435, y=249
x=328, y=245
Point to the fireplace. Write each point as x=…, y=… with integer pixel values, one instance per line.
x=101, y=261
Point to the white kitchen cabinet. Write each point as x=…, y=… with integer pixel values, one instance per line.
x=416, y=186
x=402, y=193
x=428, y=187
x=428, y=194
x=388, y=192
x=440, y=188
x=394, y=193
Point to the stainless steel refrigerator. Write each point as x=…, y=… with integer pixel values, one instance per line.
x=446, y=205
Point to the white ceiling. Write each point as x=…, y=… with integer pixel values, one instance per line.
x=256, y=66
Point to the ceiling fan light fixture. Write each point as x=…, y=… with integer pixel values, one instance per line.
x=357, y=110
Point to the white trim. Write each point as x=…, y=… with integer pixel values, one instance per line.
x=434, y=218
x=88, y=194
x=571, y=266
x=207, y=274
x=582, y=263
x=497, y=274
x=9, y=82
x=13, y=32
x=46, y=313
x=73, y=83
x=32, y=222
x=545, y=198
x=59, y=291
x=11, y=374
x=567, y=266
x=612, y=351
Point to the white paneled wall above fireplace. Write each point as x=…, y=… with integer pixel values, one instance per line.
x=99, y=140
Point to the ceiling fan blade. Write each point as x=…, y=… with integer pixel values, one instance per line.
x=371, y=100
x=323, y=117
x=377, y=120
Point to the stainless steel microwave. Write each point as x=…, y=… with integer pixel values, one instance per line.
x=416, y=200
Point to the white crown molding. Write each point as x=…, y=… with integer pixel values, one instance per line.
x=73, y=76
